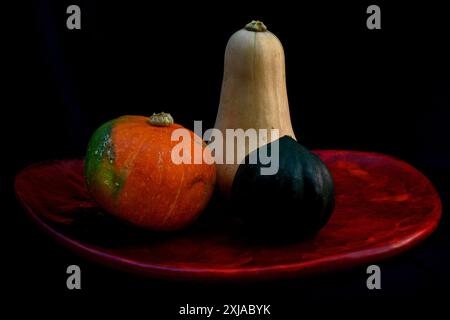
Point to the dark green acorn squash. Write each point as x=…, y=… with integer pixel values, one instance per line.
x=295, y=202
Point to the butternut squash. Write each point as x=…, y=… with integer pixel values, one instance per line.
x=253, y=93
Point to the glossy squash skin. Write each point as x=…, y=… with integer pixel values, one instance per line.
x=295, y=202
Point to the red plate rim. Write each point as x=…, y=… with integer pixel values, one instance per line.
x=296, y=269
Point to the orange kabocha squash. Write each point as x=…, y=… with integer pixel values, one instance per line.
x=129, y=171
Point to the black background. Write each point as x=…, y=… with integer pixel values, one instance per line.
x=349, y=87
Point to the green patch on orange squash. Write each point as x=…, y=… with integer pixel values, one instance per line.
x=100, y=170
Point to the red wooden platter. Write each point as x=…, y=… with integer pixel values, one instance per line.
x=384, y=206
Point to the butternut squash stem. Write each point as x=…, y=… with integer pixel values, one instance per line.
x=256, y=26
x=161, y=119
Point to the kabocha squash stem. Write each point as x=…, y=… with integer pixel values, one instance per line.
x=161, y=119
x=253, y=91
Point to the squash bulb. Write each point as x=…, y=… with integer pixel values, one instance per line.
x=295, y=202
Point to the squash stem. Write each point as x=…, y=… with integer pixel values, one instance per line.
x=256, y=26
x=161, y=119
